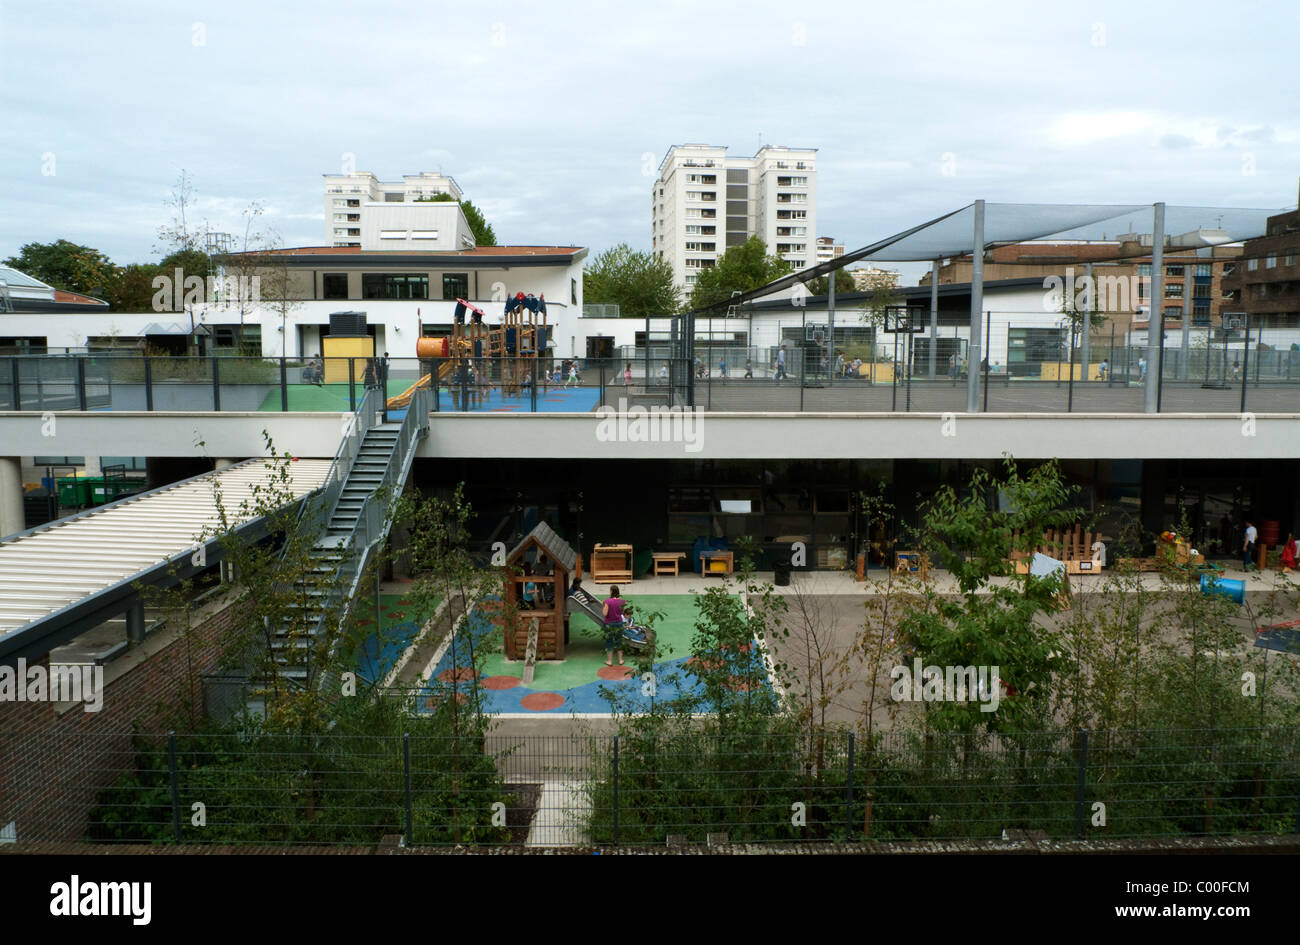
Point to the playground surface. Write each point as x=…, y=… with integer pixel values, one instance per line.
x=574, y=685
x=381, y=647
x=333, y=398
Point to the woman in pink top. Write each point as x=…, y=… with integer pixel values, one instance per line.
x=612, y=613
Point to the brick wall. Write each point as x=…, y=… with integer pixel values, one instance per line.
x=53, y=764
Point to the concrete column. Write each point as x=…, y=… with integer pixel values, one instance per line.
x=11, y=495
x=1189, y=289
x=1156, y=322
x=976, y=313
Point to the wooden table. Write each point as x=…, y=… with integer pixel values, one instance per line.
x=726, y=558
x=667, y=562
x=611, y=564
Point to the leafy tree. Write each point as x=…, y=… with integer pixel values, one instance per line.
x=133, y=291
x=484, y=235
x=843, y=284
x=740, y=269
x=66, y=265
x=639, y=283
x=992, y=623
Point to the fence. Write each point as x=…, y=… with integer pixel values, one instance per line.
x=752, y=786
x=870, y=377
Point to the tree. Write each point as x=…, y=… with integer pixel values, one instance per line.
x=640, y=284
x=992, y=623
x=66, y=265
x=484, y=235
x=741, y=268
x=844, y=284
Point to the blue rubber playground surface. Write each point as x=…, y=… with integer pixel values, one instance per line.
x=555, y=400
x=581, y=683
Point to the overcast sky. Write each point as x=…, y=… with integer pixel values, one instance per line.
x=554, y=117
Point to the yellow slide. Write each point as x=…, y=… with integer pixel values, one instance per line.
x=404, y=398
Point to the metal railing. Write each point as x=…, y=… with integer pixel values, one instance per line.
x=790, y=377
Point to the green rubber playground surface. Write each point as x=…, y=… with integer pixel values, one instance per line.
x=331, y=398
x=585, y=654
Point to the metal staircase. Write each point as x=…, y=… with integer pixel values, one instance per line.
x=351, y=518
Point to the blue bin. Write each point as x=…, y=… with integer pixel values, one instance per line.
x=1233, y=590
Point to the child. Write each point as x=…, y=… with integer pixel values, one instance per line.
x=627, y=376
x=573, y=375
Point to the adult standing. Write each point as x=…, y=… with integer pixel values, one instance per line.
x=780, y=363
x=952, y=368
x=612, y=613
x=1248, y=546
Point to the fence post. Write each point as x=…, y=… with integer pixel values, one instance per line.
x=848, y=794
x=148, y=383
x=17, y=386
x=81, y=385
x=176, y=796
x=352, y=386
x=1081, y=784
x=406, y=776
x=616, y=790
x=216, y=384
x=1245, y=362
x=284, y=386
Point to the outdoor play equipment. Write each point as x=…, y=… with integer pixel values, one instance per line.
x=547, y=609
x=635, y=637
x=502, y=355
x=1214, y=586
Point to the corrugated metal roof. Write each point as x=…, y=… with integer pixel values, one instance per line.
x=53, y=567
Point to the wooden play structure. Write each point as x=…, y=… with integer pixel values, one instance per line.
x=502, y=355
x=546, y=615
x=1081, y=551
x=611, y=564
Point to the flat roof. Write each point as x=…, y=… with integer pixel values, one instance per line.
x=50, y=576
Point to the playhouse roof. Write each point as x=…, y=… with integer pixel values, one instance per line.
x=556, y=548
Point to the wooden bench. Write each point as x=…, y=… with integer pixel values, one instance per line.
x=667, y=563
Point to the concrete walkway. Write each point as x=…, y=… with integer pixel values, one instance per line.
x=562, y=811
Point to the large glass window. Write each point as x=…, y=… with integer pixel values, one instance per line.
x=455, y=285
x=384, y=285
x=334, y=285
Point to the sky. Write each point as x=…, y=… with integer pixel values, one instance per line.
x=553, y=118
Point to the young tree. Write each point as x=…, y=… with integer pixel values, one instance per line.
x=640, y=284
x=68, y=266
x=484, y=235
x=843, y=284
x=741, y=268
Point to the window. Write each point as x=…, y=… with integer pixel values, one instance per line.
x=392, y=234
x=690, y=278
x=709, y=195
x=354, y=218
x=692, y=213
x=1229, y=268
x=354, y=203
x=692, y=195
x=424, y=234
x=692, y=230
x=1144, y=288
x=1289, y=259
x=1201, y=291
x=455, y=285
x=382, y=285
x=334, y=285
x=1144, y=269
x=701, y=247
x=340, y=218
x=1173, y=290
x=340, y=202
x=394, y=197
x=1204, y=270
x=340, y=231
x=1252, y=265
x=709, y=213
x=1174, y=271
x=354, y=231
x=1270, y=261
x=1173, y=311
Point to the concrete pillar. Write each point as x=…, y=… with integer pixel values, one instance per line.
x=934, y=316
x=1085, y=354
x=11, y=495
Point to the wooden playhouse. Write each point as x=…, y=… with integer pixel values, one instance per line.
x=540, y=545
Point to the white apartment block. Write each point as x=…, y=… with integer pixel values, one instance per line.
x=363, y=212
x=704, y=202
x=828, y=249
